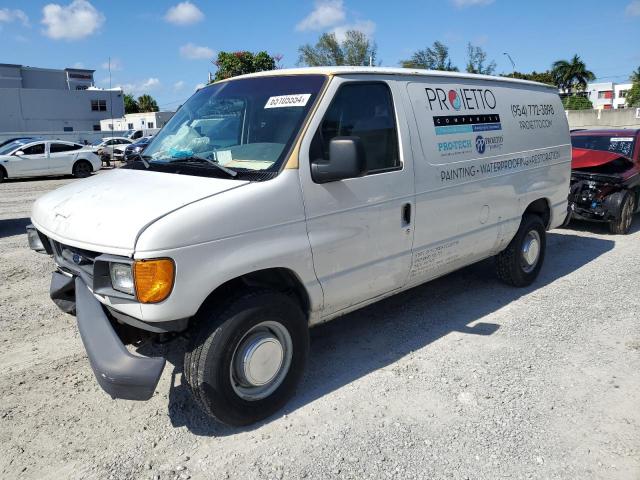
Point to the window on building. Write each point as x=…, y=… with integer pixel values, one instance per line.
x=63, y=147
x=605, y=94
x=110, y=126
x=81, y=87
x=96, y=128
x=622, y=93
x=363, y=110
x=67, y=129
x=129, y=126
x=149, y=124
x=98, y=105
x=37, y=149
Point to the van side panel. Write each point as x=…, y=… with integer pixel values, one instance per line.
x=483, y=152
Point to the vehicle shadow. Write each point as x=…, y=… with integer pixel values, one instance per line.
x=13, y=226
x=357, y=344
x=600, y=228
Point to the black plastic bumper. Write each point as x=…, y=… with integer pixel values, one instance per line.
x=120, y=373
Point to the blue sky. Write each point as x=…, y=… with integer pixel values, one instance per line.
x=163, y=47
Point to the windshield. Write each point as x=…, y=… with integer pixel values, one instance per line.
x=622, y=145
x=9, y=147
x=246, y=125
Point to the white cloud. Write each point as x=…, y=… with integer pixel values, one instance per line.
x=7, y=16
x=78, y=65
x=184, y=13
x=367, y=27
x=471, y=3
x=196, y=52
x=116, y=65
x=77, y=20
x=633, y=9
x=179, y=85
x=138, y=88
x=326, y=13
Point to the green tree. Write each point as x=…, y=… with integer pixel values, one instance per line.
x=576, y=102
x=146, y=103
x=542, y=77
x=633, y=95
x=232, y=64
x=435, y=57
x=477, y=61
x=356, y=49
x=130, y=104
x=572, y=74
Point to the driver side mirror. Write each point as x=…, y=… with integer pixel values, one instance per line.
x=19, y=153
x=346, y=160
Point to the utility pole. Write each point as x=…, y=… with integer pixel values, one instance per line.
x=513, y=65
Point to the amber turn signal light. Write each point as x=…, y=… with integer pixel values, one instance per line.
x=153, y=279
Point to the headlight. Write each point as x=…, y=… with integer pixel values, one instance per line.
x=122, y=278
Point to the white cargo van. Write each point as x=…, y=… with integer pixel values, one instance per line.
x=276, y=201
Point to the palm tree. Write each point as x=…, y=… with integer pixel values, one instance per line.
x=146, y=103
x=571, y=74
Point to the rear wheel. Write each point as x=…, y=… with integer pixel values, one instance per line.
x=3, y=174
x=627, y=202
x=82, y=169
x=247, y=357
x=520, y=263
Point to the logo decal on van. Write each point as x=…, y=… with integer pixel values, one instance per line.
x=493, y=143
x=454, y=99
x=450, y=124
x=480, y=145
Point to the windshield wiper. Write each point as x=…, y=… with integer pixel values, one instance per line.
x=143, y=159
x=196, y=159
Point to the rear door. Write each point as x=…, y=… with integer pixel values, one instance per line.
x=62, y=156
x=360, y=229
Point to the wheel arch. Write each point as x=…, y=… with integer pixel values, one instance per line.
x=280, y=279
x=541, y=207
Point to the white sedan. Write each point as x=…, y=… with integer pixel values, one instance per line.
x=109, y=146
x=47, y=157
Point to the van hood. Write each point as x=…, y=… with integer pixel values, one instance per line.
x=107, y=212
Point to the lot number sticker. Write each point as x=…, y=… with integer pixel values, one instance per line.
x=299, y=100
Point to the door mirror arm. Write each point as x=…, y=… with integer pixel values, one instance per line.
x=346, y=160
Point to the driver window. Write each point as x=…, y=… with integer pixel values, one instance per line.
x=37, y=149
x=363, y=110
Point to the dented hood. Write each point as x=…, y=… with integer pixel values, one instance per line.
x=585, y=158
x=107, y=212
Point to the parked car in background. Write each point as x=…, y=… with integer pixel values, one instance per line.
x=133, y=134
x=111, y=148
x=605, y=177
x=325, y=190
x=50, y=157
x=15, y=139
x=136, y=148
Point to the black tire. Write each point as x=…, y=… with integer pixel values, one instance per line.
x=626, y=202
x=3, y=174
x=512, y=265
x=82, y=169
x=210, y=357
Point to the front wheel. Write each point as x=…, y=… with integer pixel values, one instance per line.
x=520, y=263
x=627, y=202
x=246, y=358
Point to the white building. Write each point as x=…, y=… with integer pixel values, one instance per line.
x=49, y=100
x=136, y=121
x=608, y=95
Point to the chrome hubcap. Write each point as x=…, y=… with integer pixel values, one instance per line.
x=261, y=361
x=530, y=251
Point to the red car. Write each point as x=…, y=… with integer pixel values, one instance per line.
x=605, y=177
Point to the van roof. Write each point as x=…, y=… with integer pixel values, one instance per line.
x=387, y=71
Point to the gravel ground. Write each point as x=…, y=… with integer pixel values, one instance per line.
x=462, y=378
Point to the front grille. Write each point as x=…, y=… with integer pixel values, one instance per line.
x=74, y=260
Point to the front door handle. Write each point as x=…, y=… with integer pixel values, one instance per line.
x=406, y=214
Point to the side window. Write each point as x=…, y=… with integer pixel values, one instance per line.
x=362, y=110
x=63, y=147
x=37, y=149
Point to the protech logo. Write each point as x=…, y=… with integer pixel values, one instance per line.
x=465, y=98
x=454, y=145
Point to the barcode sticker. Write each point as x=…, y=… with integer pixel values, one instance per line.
x=298, y=100
x=622, y=139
